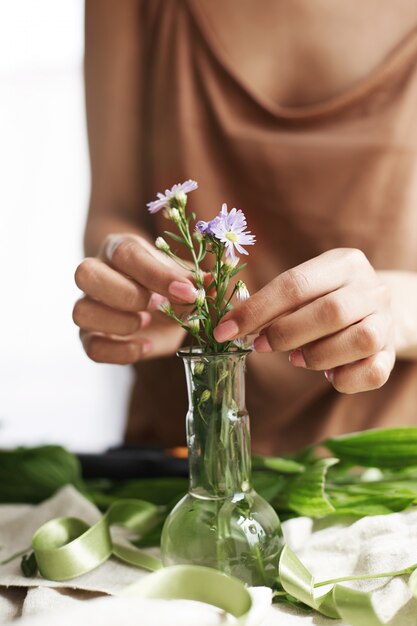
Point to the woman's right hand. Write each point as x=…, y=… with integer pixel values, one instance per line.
x=123, y=287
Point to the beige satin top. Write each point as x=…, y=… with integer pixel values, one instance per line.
x=341, y=173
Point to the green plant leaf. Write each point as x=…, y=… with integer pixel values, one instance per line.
x=174, y=236
x=380, y=447
x=28, y=565
x=368, y=498
x=277, y=464
x=268, y=484
x=162, y=491
x=34, y=474
x=305, y=493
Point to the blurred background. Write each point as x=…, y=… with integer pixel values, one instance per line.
x=49, y=390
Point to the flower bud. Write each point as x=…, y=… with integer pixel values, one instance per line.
x=230, y=264
x=200, y=298
x=205, y=396
x=161, y=244
x=194, y=324
x=199, y=277
x=199, y=368
x=242, y=292
x=198, y=236
x=165, y=307
x=174, y=215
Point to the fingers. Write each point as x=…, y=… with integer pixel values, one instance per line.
x=109, y=350
x=160, y=337
x=325, y=316
x=122, y=287
x=94, y=316
x=359, y=341
x=365, y=375
x=293, y=289
x=129, y=255
x=359, y=358
x=101, y=282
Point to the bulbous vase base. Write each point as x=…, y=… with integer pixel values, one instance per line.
x=239, y=535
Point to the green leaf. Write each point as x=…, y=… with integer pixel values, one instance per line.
x=237, y=270
x=28, y=565
x=277, y=464
x=34, y=474
x=267, y=484
x=174, y=236
x=380, y=447
x=305, y=493
x=371, y=505
x=161, y=491
x=369, y=498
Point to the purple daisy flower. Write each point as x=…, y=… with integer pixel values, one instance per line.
x=230, y=229
x=206, y=228
x=178, y=191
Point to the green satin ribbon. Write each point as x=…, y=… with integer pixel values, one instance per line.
x=67, y=547
x=198, y=583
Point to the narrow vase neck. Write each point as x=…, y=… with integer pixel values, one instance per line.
x=218, y=435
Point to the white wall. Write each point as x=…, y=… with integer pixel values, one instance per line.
x=49, y=390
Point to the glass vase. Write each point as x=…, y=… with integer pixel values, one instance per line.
x=222, y=522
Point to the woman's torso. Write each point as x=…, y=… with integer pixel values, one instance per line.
x=302, y=114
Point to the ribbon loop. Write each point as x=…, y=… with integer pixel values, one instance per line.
x=67, y=547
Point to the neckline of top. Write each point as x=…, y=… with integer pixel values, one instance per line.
x=398, y=55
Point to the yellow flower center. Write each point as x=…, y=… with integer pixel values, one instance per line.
x=231, y=236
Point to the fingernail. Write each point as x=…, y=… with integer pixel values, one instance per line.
x=262, y=344
x=145, y=319
x=146, y=347
x=111, y=245
x=329, y=374
x=155, y=302
x=296, y=358
x=182, y=291
x=225, y=331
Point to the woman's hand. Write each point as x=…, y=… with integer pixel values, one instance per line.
x=332, y=313
x=123, y=286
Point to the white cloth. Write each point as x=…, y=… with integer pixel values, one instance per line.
x=369, y=545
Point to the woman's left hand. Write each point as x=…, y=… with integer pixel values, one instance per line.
x=332, y=313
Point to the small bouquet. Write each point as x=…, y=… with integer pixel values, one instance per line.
x=222, y=236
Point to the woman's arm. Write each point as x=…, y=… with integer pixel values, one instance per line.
x=125, y=277
x=403, y=290
x=113, y=59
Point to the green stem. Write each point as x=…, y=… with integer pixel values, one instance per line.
x=401, y=572
x=259, y=562
x=177, y=260
x=185, y=231
x=14, y=556
x=231, y=296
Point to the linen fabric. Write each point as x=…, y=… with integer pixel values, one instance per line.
x=329, y=548
x=341, y=173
